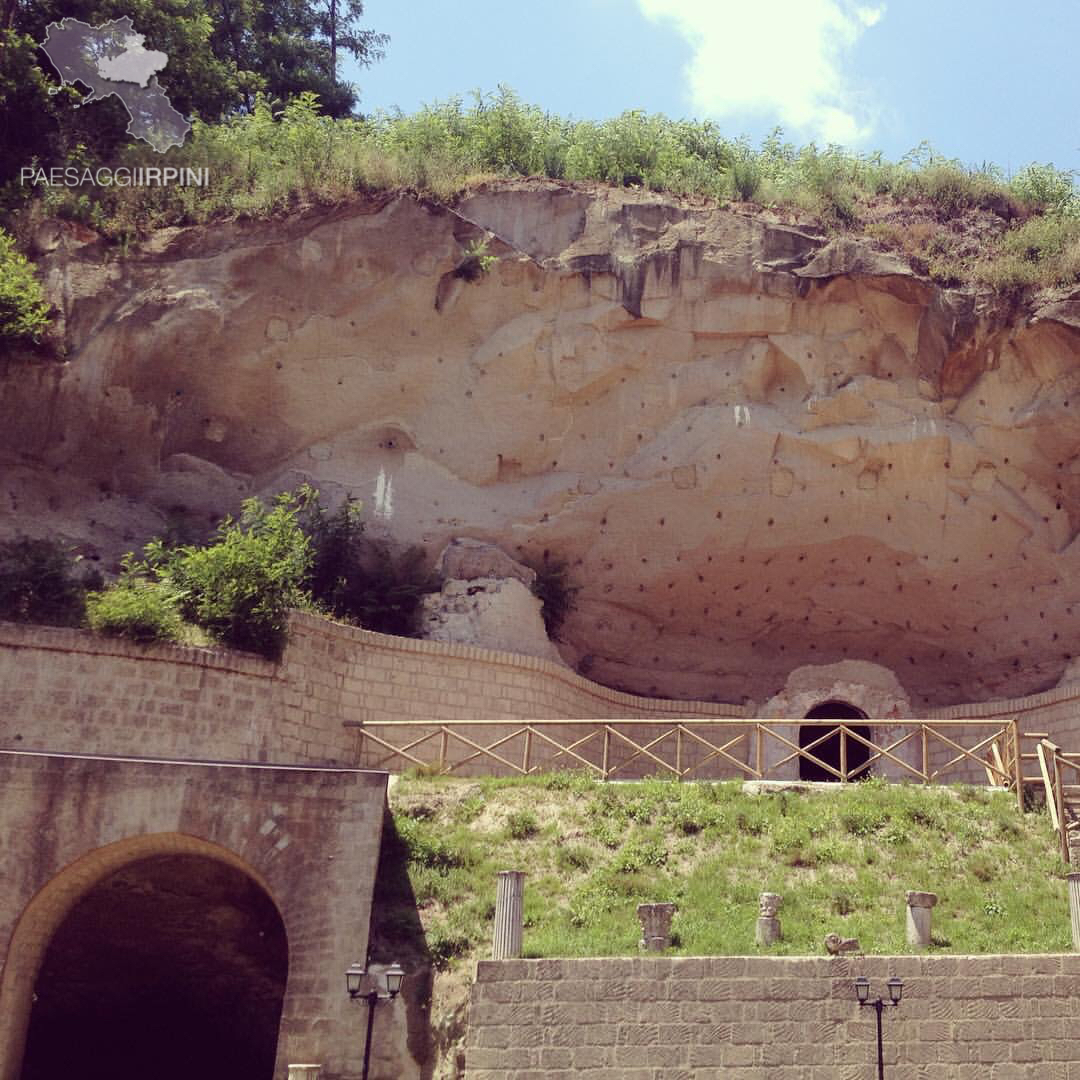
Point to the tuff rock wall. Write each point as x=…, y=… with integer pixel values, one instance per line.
x=758, y=447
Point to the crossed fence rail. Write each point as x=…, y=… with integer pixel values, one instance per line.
x=920, y=750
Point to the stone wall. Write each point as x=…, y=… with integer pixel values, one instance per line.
x=72, y=690
x=308, y=836
x=744, y=1018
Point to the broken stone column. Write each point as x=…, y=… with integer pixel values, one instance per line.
x=509, y=908
x=919, y=905
x=1074, y=909
x=768, y=925
x=305, y=1072
x=655, y=926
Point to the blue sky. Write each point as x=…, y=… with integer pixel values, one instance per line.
x=982, y=80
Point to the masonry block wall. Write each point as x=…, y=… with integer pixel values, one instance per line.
x=744, y=1018
x=72, y=690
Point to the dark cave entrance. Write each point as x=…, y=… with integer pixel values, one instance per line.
x=173, y=967
x=829, y=749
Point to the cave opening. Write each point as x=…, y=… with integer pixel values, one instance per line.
x=172, y=967
x=828, y=751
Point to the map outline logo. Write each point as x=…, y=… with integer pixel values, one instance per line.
x=110, y=59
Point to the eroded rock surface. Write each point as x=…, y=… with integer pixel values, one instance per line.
x=757, y=448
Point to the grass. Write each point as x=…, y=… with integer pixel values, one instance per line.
x=958, y=224
x=841, y=859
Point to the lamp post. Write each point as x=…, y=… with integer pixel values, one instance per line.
x=862, y=993
x=392, y=979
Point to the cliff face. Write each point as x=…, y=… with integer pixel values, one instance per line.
x=757, y=448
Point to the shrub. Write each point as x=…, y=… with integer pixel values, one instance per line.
x=38, y=583
x=24, y=315
x=240, y=587
x=137, y=609
x=554, y=590
x=522, y=824
x=361, y=580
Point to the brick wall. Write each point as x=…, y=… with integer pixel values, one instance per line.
x=743, y=1018
x=72, y=690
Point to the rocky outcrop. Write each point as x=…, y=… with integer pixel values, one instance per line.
x=757, y=447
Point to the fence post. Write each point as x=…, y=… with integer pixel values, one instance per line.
x=1074, y=909
x=509, y=905
x=528, y=751
x=1059, y=796
x=760, y=751
x=925, y=753
x=1018, y=763
x=607, y=746
x=678, y=752
x=443, y=745
x=843, y=754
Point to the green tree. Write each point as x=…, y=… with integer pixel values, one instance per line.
x=240, y=587
x=222, y=53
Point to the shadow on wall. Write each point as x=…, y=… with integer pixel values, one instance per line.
x=397, y=934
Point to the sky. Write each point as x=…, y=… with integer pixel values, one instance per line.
x=984, y=81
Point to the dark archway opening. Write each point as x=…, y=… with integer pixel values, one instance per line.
x=171, y=968
x=829, y=750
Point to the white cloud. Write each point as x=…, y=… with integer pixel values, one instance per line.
x=778, y=57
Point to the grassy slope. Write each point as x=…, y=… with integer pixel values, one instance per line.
x=842, y=860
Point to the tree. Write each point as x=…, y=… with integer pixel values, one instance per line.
x=221, y=54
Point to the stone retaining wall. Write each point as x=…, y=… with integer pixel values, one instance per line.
x=744, y=1018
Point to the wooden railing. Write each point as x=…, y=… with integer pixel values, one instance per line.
x=919, y=750
x=1060, y=774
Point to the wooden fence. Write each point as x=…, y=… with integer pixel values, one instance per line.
x=1060, y=774
x=922, y=751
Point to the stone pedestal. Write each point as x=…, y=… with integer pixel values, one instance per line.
x=655, y=926
x=768, y=925
x=919, y=906
x=305, y=1072
x=1074, y=909
x=509, y=904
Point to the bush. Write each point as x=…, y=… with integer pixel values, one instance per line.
x=361, y=580
x=38, y=583
x=554, y=590
x=136, y=609
x=522, y=824
x=240, y=587
x=24, y=315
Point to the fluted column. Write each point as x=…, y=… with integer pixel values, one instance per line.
x=509, y=903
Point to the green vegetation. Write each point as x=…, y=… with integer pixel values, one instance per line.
x=554, y=589
x=959, y=224
x=24, y=315
x=136, y=608
x=40, y=583
x=842, y=860
x=361, y=580
x=221, y=54
x=237, y=589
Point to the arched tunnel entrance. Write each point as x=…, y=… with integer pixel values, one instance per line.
x=829, y=750
x=172, y=967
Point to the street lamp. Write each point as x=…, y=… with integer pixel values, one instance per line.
x=862, y=994
x=392, y=978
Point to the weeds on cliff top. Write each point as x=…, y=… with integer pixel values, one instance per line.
x=842, y=859
x=24, y=314
x=278, y=159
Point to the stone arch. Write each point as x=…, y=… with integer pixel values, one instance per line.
x=44, y=915
x=828, y=749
